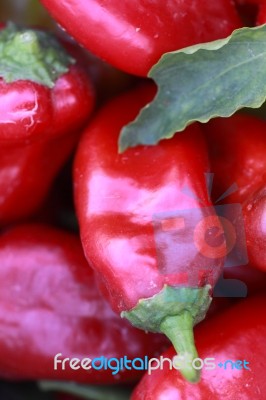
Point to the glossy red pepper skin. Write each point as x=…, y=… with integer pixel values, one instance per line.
x=237, y=151
x=236, y=334
x=255, y=220
x=39, y=128
x=49, y=304
x=262, y=14
x=133, y=36
x=238, y=148
x=117, y=196
x=126, y=205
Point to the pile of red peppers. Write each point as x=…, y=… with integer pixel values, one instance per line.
x=108, y=255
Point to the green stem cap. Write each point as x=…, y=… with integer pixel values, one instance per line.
x=31, y=54
x=174, y=311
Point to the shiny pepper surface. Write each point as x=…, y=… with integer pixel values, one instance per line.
x=234, y=340
x=50, y=304
x=45, y=99
x=144, y=217
x=132, y=36
x=238, y=156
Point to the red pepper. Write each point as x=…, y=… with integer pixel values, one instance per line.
x=144, y=216
x=238, y=335
x=262, y=14
x=254, y=279
x=49, y=304
x=133, y=36
x=238, y=148
x=237, y=282
x=45, y=99
x=255, y=221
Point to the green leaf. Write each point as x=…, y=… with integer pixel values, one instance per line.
x=202, y=82
x=89, y=392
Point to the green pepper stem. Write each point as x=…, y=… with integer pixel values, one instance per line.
x=179, y=330
x=32, y=55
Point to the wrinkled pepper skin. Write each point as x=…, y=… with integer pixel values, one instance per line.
x=39, y=128
x=238, y=149
x=133, y=36
x=50, y=304
x=121, y=199
x=236, y=334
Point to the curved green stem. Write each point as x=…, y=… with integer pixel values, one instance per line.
x=174, y=311
x=179, y=330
